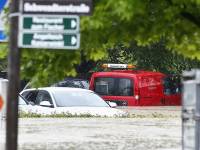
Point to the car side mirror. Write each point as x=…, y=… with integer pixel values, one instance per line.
x=46, y=104
x=112, y=104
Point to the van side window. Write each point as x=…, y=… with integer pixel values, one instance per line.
x=125, y=87
x=171, y=85
x=104, y=86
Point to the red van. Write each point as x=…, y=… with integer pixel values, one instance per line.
x=135, y=88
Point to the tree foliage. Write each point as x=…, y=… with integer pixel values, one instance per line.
x=120, y=21
x=154, y=57
x=147, y=21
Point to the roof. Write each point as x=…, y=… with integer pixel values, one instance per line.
x=50, y=89
x=129, y=73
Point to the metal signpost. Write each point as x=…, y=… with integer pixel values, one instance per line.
x=191, y=110
x=13, y=77
x=43, y=24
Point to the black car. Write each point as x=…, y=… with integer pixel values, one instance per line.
x=73, y=82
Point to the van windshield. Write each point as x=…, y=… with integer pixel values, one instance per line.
x=113, y=86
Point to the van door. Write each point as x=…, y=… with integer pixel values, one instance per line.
x=150, y=90
x=172, y=91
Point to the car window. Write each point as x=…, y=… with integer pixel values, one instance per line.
x=78, y=84
x=24, y=94
x=21, y=101
x=30, y=96
x=69, y=83
x=43, y=96
x=73, y=83
x=85, y=84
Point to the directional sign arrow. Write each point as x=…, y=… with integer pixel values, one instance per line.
x=73, y=24
x=73, y=40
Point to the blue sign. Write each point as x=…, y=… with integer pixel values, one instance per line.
x=2, y=35
x=2, y=4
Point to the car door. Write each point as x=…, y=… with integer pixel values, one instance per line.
x=43, y=96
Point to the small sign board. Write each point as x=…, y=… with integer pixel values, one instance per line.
x=1, y=102
x=57, y=7
x=50, y=23
x=49, y=40
x=3, y=36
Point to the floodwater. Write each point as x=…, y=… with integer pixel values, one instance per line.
x=150, y=129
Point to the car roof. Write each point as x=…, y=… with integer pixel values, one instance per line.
x=51, y=89
x=74, y=79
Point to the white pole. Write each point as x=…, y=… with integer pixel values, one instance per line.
x=3, y=93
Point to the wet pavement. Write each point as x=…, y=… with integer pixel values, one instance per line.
x=151, y=128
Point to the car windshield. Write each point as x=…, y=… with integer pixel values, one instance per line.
x=79, y=98
x=21, y=101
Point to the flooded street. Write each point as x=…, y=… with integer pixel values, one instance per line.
x=150, y=129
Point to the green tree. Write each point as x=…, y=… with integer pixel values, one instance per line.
x=3, y=57
x=153, y=57
x=143, y=21
x=146, y=22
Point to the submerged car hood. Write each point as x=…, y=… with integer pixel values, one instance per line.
x=74, y=111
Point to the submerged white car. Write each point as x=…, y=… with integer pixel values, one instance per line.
x=63, y=100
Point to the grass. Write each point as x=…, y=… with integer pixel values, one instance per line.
x=87, y=115
x=62, y=115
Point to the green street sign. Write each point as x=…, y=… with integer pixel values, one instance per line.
x=50, y=23
x=49, y=40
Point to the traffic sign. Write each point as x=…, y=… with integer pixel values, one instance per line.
x=50, y=23
x=2, y=4
x=1, y=102
x=50, y=40
x=55, y=7
x=2, y=34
